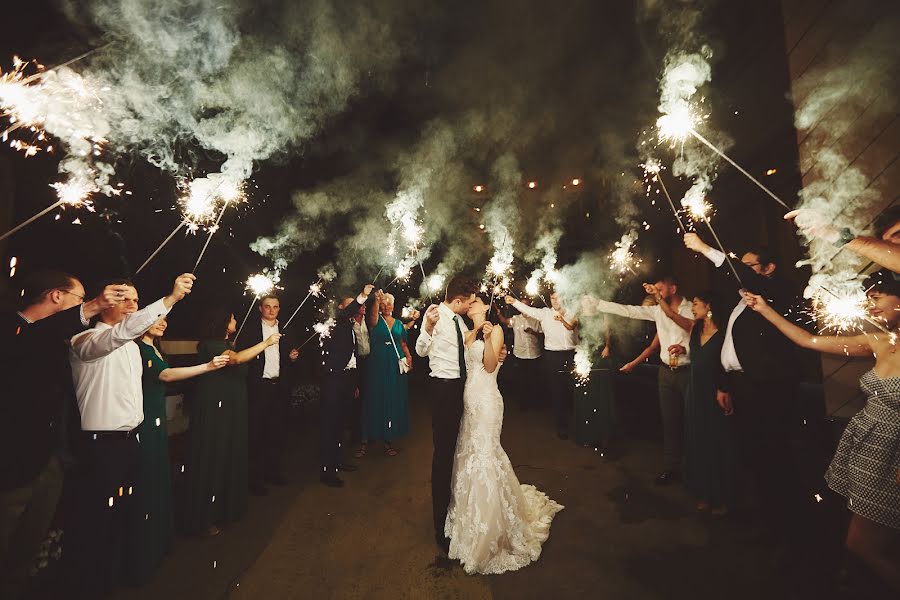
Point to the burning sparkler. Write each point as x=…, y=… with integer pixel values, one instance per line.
x=315, y=289
x=622, y=258
x=260, y=284
x=582, y=369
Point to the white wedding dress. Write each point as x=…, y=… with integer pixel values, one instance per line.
x=495, y=524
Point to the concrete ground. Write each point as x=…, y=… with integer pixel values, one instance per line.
x=618, y=537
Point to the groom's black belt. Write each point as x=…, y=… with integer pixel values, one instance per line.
x=445, y=380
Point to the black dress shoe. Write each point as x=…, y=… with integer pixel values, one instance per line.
x=667, y=477
x=347, y=467
x=276, y=479
x=258, y=490
x=331, y=481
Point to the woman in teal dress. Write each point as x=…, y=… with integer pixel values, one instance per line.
x=151, y=528
x=217, y=467
x=385, y=404
x=709, y=456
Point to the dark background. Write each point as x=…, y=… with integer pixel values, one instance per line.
x=583, y=79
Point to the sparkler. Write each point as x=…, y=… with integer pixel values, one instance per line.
x=226, y=191
x=323, y=330
x=681, y=122
x=260, y=284
x=315, y=289
x=68, y=198
x=160, y=247
x=582, y=368
x=845, y=312
x=621, y=258
x=653, y=170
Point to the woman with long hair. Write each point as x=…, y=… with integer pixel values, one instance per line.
x=151, y=527
x=218, y=485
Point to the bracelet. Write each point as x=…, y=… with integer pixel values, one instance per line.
x=846, y=236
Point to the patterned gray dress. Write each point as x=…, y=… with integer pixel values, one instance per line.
x=864, y=468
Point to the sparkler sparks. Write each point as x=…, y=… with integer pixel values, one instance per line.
x=622, y=259
x=261, y=283
x=324, y=328
x=696, y=205
x=582, y=369
x=435, y=282
x=676, y=125
x=841, y=313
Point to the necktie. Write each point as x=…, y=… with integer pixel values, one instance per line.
x=462, y=349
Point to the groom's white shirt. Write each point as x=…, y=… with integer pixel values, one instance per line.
x=441, y=347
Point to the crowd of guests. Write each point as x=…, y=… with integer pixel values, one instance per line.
x=727, y=385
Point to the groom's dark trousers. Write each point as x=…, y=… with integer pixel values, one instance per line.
x=446, y=412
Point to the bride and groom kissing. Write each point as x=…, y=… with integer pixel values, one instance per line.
x=483, y=516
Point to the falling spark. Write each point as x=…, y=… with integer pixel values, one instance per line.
x=582, y=369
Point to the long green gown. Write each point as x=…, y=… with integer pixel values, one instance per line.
x=386, y=402
x=595, y=406
x=709, y=459
x=151, y=529
x=217, y=466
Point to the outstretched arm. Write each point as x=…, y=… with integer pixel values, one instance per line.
x=643, y=356
x=181, y=373
x=248, y=354
x=857, y=345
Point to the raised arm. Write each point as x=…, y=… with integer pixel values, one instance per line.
x=812, y=225
x=681, y=321
x=643, y=356
x=94, y=344
x=857, y=345
x=643, y=313
x=423, y=344
x=528, y=311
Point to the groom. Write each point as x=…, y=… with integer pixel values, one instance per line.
x=441, y=341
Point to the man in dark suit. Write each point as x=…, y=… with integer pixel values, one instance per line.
x=35, y=376
x=269, y=393
x=339, y=380
x=761, y=385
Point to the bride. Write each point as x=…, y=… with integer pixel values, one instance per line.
x=495, y=524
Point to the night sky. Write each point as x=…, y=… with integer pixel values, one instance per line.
x=573, y=83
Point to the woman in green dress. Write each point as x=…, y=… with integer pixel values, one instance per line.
x=709, y=456
x=151, y=527
x=595, y=409
x=217, y=486
x=386, y=403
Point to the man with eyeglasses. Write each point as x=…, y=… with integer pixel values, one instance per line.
x=107, y=370
x=32, y=356
x=761, y=385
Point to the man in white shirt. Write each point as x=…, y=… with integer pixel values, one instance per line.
x=526, y=354
x=106, y=370
x=268, y=396
x=560, y=340
x=442, y=342
x=674, y=373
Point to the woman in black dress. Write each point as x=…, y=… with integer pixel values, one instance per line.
x=709, y=467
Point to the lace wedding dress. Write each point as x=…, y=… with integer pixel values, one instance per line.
x=495, y=524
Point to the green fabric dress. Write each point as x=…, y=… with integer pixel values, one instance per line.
x=709, y=456
x=151, y=529
x=595, y=406
x=217, y=465
x=385, y=393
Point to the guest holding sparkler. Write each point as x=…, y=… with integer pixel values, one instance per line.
x=363, y=349
x=217, y=466
x=36, y=380
x=674, y=373
x=882, y=248
x=866, y=466
x=526, y=351
x=560, y=339
x=107, y=377
x=709, y=469
x=268, y=396
x=340, y=362
x=386, y=409
x=151, y=526
x=761, y=386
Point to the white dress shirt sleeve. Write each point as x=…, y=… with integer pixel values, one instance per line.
x=423, y=344
x=644, y=313
x=529, y=311
x=95, y=344
x=717, y=257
